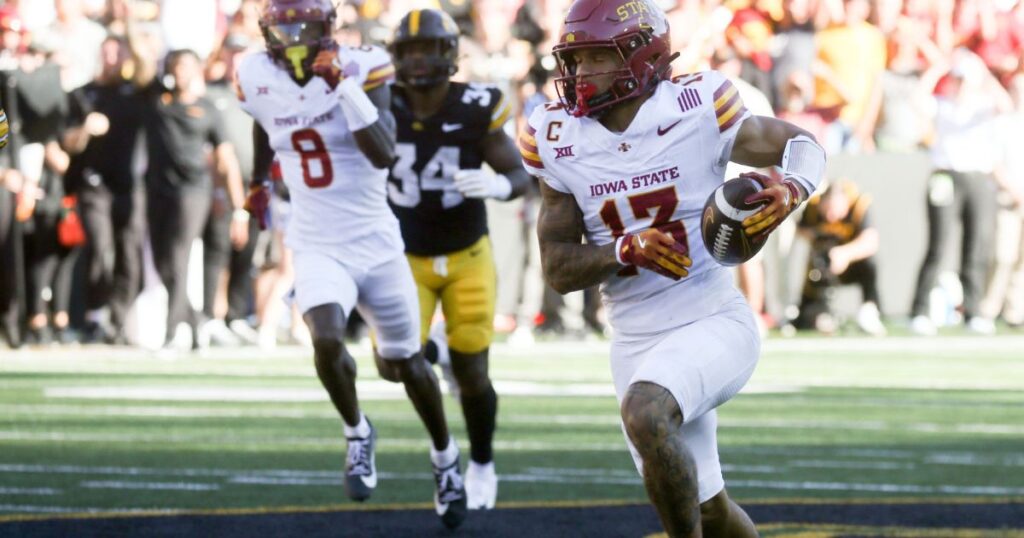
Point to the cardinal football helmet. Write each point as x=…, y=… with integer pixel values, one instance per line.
x=295, y=31
x=425, y=26
x=636, y=30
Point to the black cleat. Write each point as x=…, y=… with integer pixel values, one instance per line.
x=360, y=466
x=450, y=497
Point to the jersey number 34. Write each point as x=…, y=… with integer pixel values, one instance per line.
x=405, y=189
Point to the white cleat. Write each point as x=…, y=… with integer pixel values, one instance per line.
x=481, y=486
x=450, y=495
x=869, y=319
x=361, y=466
x=245, y=333
x=923, y=326
x=983, y=326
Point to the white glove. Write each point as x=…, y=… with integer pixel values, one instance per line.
x=480, y=183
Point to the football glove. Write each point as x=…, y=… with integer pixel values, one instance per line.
x=328, y=66
x=655, y=250
x=258, y=204
x=481, y=183
x=781, y=197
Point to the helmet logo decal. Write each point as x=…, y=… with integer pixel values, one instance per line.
x=631, y=8
x=296, y=55
x=569, y=38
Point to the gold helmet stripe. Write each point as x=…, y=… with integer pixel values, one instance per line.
x=414, y=22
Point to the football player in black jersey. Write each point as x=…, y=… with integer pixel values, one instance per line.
x=447, y=131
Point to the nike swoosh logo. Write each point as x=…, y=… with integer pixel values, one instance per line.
x=640, y=241
x=449, y=127
x=661, y=132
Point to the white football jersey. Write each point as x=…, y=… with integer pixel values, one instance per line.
x=339, y=200
x=658, y=173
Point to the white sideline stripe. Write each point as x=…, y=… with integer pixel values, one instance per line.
x=943, y=345
x=265, y=442
x=930, y=458
x=368, y=390
x=36, y=509
x=175, y=486
x=878, y=465
x=259, y=359
x=29, y=491
x=286, y=477
x=156, y=411
x=880, y=488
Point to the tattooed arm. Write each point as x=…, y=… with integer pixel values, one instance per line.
x=568, y=264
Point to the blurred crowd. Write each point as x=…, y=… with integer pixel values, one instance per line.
x=82, y=80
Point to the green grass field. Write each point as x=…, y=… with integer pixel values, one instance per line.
x=893, y=420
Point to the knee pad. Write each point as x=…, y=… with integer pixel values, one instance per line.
x=471, y=337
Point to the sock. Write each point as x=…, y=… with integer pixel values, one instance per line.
x=481, y=411
x=361, y=430
x=446, y=457
x=481, y=468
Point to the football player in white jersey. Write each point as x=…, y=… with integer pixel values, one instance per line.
x=626, y=159
x=324, y=112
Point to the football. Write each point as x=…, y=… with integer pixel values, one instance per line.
x=721, y=225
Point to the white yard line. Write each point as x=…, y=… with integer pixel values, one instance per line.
x=29, y=491
x=37, y=509
x=163, y=486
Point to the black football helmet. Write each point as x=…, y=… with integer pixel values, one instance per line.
x=431, y=27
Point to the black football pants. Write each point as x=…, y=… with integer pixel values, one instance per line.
x=218, y=253
x=114, y=225
x=815, y=297
x=175, y=221
x=974, y=204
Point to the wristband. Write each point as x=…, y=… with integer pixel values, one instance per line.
x=621, y=245
x=240, y=215
x=356, y=106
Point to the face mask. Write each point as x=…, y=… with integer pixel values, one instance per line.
x=296, y=55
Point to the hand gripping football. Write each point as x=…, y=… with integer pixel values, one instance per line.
x=722, y=222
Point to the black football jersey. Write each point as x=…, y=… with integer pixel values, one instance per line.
x=434, y=217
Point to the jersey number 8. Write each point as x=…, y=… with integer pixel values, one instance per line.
x=311, y=148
